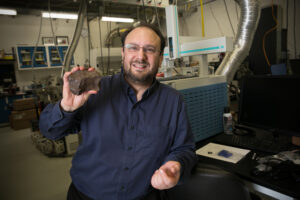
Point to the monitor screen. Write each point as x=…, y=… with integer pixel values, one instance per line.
x=295, y=66
x=271, y=103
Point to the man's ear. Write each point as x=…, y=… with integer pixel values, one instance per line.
x=122, y=53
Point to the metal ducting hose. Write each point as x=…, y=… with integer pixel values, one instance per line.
x=76, y=37
x=117, y=32
x=250, y=14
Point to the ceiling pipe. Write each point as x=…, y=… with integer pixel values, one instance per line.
x=76, y=37
x=250, y=14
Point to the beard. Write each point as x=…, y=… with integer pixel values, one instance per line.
x=143, y=79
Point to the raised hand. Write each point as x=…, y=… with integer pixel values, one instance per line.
x=71, y=102
x=167, y=176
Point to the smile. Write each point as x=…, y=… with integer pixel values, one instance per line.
x=139, y=66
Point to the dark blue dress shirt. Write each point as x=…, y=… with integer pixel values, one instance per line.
x=123, y=141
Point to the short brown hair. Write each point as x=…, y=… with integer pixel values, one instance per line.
x=150, y=26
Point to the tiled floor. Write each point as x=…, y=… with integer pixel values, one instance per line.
x=26, y=173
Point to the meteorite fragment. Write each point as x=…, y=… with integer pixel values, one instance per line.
x=82, y=81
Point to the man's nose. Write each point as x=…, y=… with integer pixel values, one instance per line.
x=141, y=53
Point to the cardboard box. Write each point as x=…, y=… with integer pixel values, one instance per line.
x=22, y=119
x=23, y=104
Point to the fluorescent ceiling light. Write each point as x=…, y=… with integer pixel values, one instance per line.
x=4, y=11
x=117, y=19
x=60, y=15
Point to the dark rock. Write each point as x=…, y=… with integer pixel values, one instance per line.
x=82, y=81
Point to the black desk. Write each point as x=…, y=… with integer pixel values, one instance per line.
x=244, y=167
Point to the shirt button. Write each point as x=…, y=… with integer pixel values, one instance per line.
x=129, y=148
x=122, y=188
x=131, y=127
x=126, y=168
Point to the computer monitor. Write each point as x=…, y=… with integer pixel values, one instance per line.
x=271, y=103
x=295, y=66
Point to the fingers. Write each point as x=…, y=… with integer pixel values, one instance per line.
x=172, y=167
x=170, y=180
x=161, y=180
x=174, y=170
x=157, y=181
x=171, y=171
x=82, y=68
x=66, y=75
x=91, y=69
x=166, y=176
x=66, y=86
x=92, y=92
x=75, y=69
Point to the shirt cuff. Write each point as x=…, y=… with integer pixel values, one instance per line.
x=66, y=113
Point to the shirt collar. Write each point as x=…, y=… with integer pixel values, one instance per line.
x=126, y=87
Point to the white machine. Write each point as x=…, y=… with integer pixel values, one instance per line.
x=180, y=47
x=206, y=95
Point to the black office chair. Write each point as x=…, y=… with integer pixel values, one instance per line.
x=209, y=183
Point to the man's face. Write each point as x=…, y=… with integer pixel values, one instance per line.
x=141, y=55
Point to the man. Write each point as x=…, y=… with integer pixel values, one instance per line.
x=136, y=138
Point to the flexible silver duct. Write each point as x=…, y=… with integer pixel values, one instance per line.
x=250, y=14
x=76, y=37
x=117, y=32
